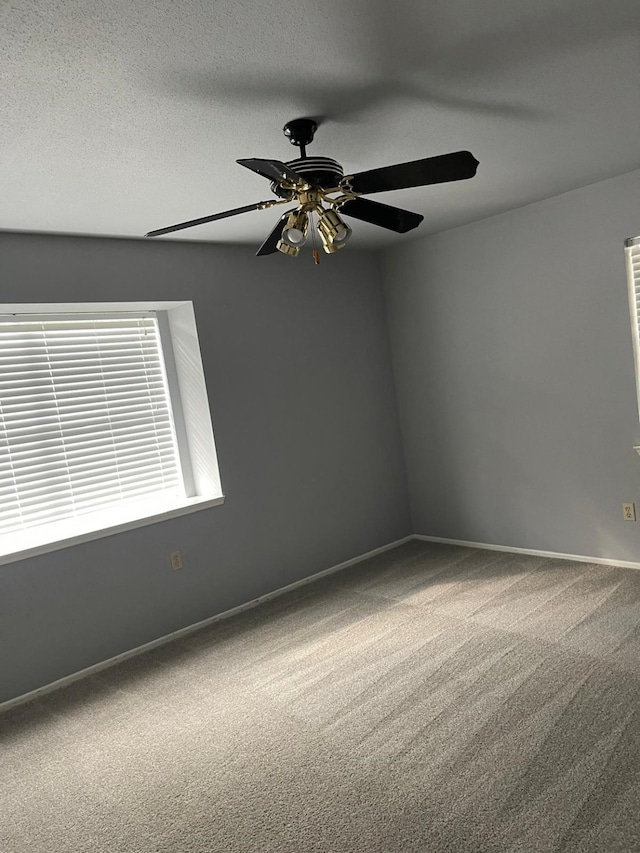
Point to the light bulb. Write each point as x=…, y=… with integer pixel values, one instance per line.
x=295, y=236
x=342, y=233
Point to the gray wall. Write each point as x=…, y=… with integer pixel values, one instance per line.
x=299, y=375
x=514, y=372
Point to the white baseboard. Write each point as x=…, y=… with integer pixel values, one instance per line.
x=580, y=558
x=190, y=629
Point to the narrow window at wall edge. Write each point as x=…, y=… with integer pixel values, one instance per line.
x=104, y=422
x=632, y=253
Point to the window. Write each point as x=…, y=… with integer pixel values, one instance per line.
x=632, y=251
x=104, y=422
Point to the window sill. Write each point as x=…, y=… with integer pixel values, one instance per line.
x=189, y=506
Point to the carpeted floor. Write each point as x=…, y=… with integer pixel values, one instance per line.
x=434, y=698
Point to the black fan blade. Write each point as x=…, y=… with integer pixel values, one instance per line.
x=269, y=245
x=433, y=170
x=393, y=218
x=274, y=170
x=204, y=219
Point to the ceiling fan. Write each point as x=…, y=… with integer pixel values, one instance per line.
x=322, y=193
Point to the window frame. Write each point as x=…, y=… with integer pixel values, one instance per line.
x=190, y=407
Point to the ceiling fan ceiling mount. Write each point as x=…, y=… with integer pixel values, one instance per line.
x=300, y=131
x=319, y=188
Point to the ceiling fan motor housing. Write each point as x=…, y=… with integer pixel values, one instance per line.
x=322, y=172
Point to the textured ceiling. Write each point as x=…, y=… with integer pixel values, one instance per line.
x=118, y=117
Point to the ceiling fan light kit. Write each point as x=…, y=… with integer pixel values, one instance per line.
x=323, y=194
x=333, y=230
x=295, y=230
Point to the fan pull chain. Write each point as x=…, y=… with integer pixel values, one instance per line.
x=314, y=252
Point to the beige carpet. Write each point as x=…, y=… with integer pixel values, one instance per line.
x=432, y=699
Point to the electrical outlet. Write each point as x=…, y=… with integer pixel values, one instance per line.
x=176, y=560
x=629, y=512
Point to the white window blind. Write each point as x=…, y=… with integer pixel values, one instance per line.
x=632, y=249
x=86, y=423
